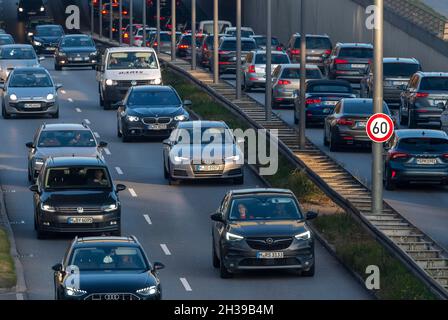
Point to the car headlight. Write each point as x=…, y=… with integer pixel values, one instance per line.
x=233, y=158
x=110, y=207
x=111, y=82
x=303, y=236
x=233, y=237
x=42, y=9
x=46, y=207
x=20, y=9
x=38, y=161
x=37, y=43
x=157, y=81
x=13, y=97
x=180, y=159
x=30, y=34
x=149, y=291
x=61, y=54
x=181, y=117
x=132, y=118
x=93, y=54
x=73, y=292
x=50, y=96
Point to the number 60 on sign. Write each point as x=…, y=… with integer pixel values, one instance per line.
x=380, y=127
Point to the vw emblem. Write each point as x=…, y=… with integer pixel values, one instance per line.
x=80, y=210
x=133, y=82
x=269, y=241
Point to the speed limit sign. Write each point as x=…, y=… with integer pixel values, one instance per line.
x=380, y=127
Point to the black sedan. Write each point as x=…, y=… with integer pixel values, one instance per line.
x=46, y=38
x=106, y=268
x=262, y=229
x=150, y=111
x=416, y=155
x=76, y=50
x=347, y=125
x=321, y=98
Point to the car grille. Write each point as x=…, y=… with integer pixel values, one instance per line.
x=21, y=105
x=74, y=210
x=112, y=296
x=261, y=243
x=253, y=262
x=153, y=120
x=129, y=83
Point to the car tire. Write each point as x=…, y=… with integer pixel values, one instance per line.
x=309, y=273
x=107, y=105
x=165, y=172
x=5, y=115
x=101, y=99
x=125, y=138
x=55, y=115
x=57, y=67
x=41, y=235
x=93, y=67
x=326, y=142
x=30, y=178
x=239, y=180
x=333, y=146
x=389, y=184
x=223, y=272
x=402, y=120
x=411, y=121
x=172, y=181
x=296, y=120
x=216, y=263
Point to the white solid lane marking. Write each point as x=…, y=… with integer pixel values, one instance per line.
x=165, y=249
x=87, y=121
x=132, y=192
x=19, y=296
x=147, y=218
x=96, y=135
x=78, y=110
x=70, y=100
x=107, y=151
x=119, y=171
x=185, y=284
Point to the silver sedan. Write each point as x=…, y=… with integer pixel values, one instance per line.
x=30, y=91
x=16, y=55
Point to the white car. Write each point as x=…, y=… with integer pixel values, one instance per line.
x=246, y=32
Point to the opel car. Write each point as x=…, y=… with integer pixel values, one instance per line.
x=76, y=50
x=257, y=229
x=108, y=269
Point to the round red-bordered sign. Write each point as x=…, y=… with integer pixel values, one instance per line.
x=380, y=127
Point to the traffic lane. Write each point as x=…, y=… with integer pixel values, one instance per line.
x=423, y=205
x=8, y=13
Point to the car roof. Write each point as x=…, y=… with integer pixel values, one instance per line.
x=297, y=65
x=433, y=74
x=234, y=38
x=328, y=82
x=152, y=88
x=102, y=240
x=420, y=133
x=64, y=126
x=354, y=45
x=49, y=25
x=253, y=191
x=203, y=123
x=310, y=35
x=260, y=51
x=17, y=45
x=77, y=35
x=130, y=49
x=354, y=101
x=242, y=28
x=262, y=36
x=402, y=60
x=75, y=161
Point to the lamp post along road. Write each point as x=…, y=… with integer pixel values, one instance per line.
x=215, y=42
x=144, y=24
x=120, y=22
x=131, y=23
x=238, y=49
x=377, y=148
x=92, y=21
x=173, y=30
x=111, y=14
x=193, y=34
x=100, y=18
x=302, y=122
x=158, y=26
x=268, y=94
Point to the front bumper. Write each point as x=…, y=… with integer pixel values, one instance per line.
x=112, y=296
x=140, y=129
x=189, y=172
x=65, y=61
x=18, y=107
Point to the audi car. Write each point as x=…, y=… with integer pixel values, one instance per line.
x=416, y=156
x=203, y=150
x=108, y=269
x=59, y=140
x=150, y=111
x=346, y=126
x=318, y=48
x=46, y=38
x=262, y=229
x=76, y=50
x=76, y=195
x=30, y=91
x=16, y=55
x=321, y=98
x=183, y=46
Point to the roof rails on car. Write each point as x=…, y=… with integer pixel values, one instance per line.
x=84, y=124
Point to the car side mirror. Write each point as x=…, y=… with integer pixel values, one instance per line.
x=57, y=267
x=119, y=104
x=158, y=266
x=120, y=187
x=34, y=188
x=29, y=145
x=58, y=86
x=187, y=103
x=310, y=215
x=41, y=58
x=102, y=144
x=167, y=142
x=217, y=216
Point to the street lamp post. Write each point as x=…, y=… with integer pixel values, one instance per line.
x=193, y=34
x=302, y=122
x=158, y=26
x=144, y=23
x=111, y=13
x=173, y=30
x=100, y=18
x=238, y=49
x=131, y=23
x=120, y=24
x=268, y=93
x=377, y=148
x=215, y=42
x=92, y=21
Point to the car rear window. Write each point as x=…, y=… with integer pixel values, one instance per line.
x=422, y=144
x=261, y=41
x=244, y=33
x=314, y=43
x=366, y=53
x=362, y=108
x=330, y=88
x=434, y=83
x=276, y=59
x=397, y=69
x=187, y=40
x=294, y=73
x=230, y=45
x=77, y=178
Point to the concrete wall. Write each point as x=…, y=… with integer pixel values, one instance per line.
x=344, y=21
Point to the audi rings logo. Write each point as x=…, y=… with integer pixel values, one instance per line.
x=269, y=241
x=80, y=210
x=111, y=297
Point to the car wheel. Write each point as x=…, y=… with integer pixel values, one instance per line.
x=93, y=67
x=223, y=271
x=57, y=67
x=411, y=121
x=310, y=272
x=125, y=138
x=41, y=235
x=389, y=184
x=172, y=181
x=216, y=263
x=119, y=135
x=326, y=143
x=239, y=180
x=401, y=119
x=107, y=105
x=165, y=172
x=333, y=145
x=55, y=115
x=296, y=120
x=5, y=115
x=101, y=100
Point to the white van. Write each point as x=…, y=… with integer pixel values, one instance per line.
x=206, y=26
x=123, y=67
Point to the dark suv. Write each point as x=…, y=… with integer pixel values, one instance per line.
x=76, y=195
x=318, y=48
x=349, y=61
x=424, y=99
x=106, y=268
x=397, y=73
x=30, y=8
x=262, y=229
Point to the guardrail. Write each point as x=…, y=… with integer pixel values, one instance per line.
x=421, y=16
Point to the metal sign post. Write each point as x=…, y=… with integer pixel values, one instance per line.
x=173, y=30
x=215, y=42
x=193, y=34
x=302, y=123
x=268, y=94
x=238, y=49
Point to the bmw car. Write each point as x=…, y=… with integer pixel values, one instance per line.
x=108, y=269
x=76, y=50
x=16, y=55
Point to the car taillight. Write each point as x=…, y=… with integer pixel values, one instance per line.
x=284, y=82
x=124, y=12
x=445, y=156
x=104, y=12
x=138, y=38
x=295, y=51
x=345, y=122
x=155, y=44
x=327, y=52
x=313, y=101
x=422, y=95
x=184, y=46
x=279, y=48
x=223, y=52
x=251, y=69
x=340, y=61
x=398, y=155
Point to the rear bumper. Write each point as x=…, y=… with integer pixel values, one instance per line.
x=420, y=175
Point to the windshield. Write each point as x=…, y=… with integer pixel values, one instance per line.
x=261, y=41
x=154, y=99
x=400, y=69
x=53, y=31
x=362, y=108
x=264, y=207
x=109, y=257
x=294, y=73
x=18, y=54
x=434, y=83
x=363, y=53
x=132, y=60
x=204, y=135
x=77, y=42
x=230, y=45
x=244, y=33
x=314, y=43
x=31, y=79
x=66, y=138
x=330, y=88
x=77, y=178
x=424, y=145
x=276, y=59
x=6, y=39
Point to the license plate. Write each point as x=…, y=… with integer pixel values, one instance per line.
x=209, y=168
x=361, y=124
x=399, y=83
x=79, y=220
x=313, y=58
x=157, y=126
x=31, y=12
x=330, y=103
x=426, y=161
x=51, y=48
x=78, y=58
x=269, y=255
x=32, y=105
x=358, y=66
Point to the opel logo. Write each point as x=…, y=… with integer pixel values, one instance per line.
x=134, y=82
x=80, y=210
x=111, y=297
x=269, y=241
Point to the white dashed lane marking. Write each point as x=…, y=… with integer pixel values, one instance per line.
x=70, y=100
x=148, y=219
x=87, y=121
x=132, y=192
x=165, y=249
x=107, y=151
x=96, y=135
x=185, y=284
x=78, y=110
x=119, y=171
